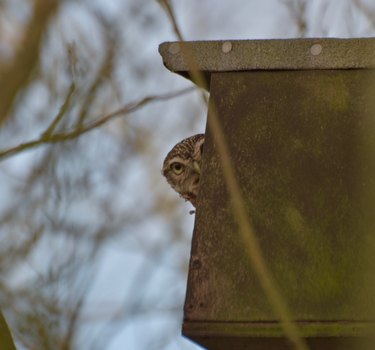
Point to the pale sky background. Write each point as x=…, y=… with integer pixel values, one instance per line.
x=157, y=266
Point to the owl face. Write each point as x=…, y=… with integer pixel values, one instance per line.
x=182, y=167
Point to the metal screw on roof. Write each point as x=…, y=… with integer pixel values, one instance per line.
x=174, y=48
x=226, y=47
x=316, y=49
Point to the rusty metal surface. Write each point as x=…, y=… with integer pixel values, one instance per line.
x=302, y=145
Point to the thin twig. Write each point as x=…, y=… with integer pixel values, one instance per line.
x=194, y=69
x=105, y=70
x=246, y=230
x=249, y=237
x=64, y=108
x=46, y=138
x=62, y=112
x=170, y=13
x=72, y=320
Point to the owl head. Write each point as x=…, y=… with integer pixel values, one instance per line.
x=182, y=167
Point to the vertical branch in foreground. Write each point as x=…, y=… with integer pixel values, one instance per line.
x=169, y=11
x=246, y=230
x=15, y=75
x=5, y=335
x=248, y=236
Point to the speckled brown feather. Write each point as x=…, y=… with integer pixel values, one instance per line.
x=187, y=152
x=184, y=148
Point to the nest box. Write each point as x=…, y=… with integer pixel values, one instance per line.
x=299, y=120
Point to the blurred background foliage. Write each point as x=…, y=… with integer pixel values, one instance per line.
x=94, y=245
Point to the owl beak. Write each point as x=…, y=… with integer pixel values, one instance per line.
x=197, y=167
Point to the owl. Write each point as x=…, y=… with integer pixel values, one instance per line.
x=182, y=167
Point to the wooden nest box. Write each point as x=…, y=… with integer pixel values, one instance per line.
x=299, y=120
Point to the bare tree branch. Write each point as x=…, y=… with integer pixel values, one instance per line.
x=73, y=319
x=16, y=75
x=195, y=73
x=166, y=4
x=62, y=112
x=5, y=335
x=104, y=70
x=246, y=230
x=48, y=137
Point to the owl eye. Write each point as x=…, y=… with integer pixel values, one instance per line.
x=177, y=168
